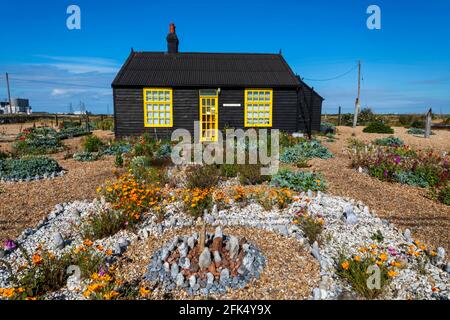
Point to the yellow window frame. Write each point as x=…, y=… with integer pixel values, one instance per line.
x=154, y=102
x=258, y=104
x=212, y=120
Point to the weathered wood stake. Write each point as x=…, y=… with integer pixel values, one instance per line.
x=428, y=124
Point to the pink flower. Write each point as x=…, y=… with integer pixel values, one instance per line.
x=9, y=245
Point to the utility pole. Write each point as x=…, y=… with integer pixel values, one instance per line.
x=339, y=116
x=357, y=103
x=9, y=93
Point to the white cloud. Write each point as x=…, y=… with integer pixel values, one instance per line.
x=66, y=92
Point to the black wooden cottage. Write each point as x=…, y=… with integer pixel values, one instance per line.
x=157, y=92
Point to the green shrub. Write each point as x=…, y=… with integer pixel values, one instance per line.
x=28, y=167
x=411, y=178
x=164, y=151
x=141, y=168
x=327, y=128
x=86, y=156
x=298, y=181
x=46, y=272
x=229, y=170
x=389, y=141
x=287, y=140
x=37, y=141
x=444, y=195
x=355, y=271
x=305, y=150
x=202, y=177
x=417, y=131
x=93, y=143
x=419, y=124
x=250, y=174
x=105, y=223
x=366, y=116
x=378, y=127
x=406, y=119
x=3, y=155
x=118, y=161
x=311, y=226
x=116, y=147
x=106, y=124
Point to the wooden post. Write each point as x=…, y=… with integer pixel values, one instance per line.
x=9, y=93
x=202, y=238
x=357, y=103
x=428, y=124
x=56, y=119
x=339, y=116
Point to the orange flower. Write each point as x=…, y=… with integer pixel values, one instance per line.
x=100, y=247
x=345, y=265
x=88, y=243
x=383, y=257
x=37, y=259
x=144, y=291
x=392, y=273
x=109, y=252
x=357, y=258
x=110, y=295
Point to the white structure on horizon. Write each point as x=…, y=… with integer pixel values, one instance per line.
x=19, y=106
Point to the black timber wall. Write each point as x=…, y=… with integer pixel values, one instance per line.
x=129, y=111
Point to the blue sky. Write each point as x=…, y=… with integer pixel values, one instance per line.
x=405, y=65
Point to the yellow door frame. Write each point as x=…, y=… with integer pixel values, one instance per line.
x=209, y=117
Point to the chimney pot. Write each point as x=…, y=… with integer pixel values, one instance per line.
x=172, y=40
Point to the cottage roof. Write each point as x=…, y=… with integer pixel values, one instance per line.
x=189, y=69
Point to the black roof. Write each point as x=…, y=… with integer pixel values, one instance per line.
x=205, y=69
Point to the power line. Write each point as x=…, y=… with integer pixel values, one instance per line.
x=333, y=78
x=59, y=83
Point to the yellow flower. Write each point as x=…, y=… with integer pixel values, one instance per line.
x=144, y=292
x=30, y=298
x=345, y=265
x=99, y=189
x=357, y=258
x=392, y=273
x=362, y=249
x=383, y=257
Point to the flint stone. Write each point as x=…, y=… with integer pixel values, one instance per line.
x=205, y=259
x=407, y=235
x=58, y=241
x=315, y=251
x=192, y=281
x=218, y=233
x=179, y=280
x=185, y=263
x=191, y=242
x=217, y=258
x=224, y=276
x=174, y=270
x=183, y=250
x=234, y=247
x=209, y=278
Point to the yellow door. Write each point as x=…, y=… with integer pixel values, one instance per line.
x=208, y=117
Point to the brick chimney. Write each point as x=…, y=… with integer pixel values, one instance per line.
x=172, y=40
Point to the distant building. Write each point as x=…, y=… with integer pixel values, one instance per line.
x=19, y=106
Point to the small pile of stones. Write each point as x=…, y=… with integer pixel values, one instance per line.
x=222, y=262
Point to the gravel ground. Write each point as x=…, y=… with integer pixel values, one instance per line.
x=291, y=272
x=405, y=206
x=23, y=204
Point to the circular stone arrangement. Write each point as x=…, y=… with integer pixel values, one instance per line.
x=223, y=262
